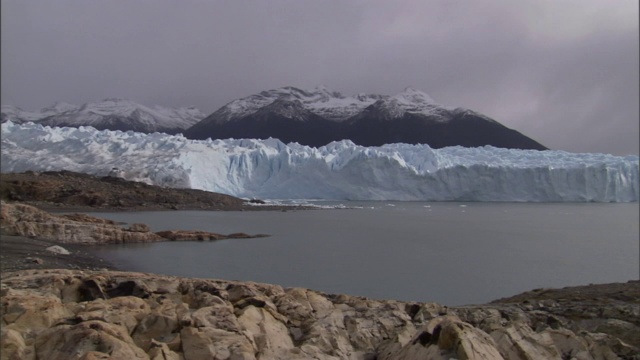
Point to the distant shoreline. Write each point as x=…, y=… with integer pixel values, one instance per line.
x=66, y=191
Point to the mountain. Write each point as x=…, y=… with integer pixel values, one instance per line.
x=19, y=116
x=319, y=116
x=270, y=169
x=109, y=114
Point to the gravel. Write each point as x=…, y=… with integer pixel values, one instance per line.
x=21, y=253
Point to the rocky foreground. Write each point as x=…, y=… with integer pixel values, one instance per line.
x=108, y=314
x=73, y=314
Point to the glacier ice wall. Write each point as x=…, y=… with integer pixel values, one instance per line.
x=340, y=170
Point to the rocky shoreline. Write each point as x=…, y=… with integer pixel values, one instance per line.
x=73, y=306
x=75, y=314
x=25, y=253
x=66, y=191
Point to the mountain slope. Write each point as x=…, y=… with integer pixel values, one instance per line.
x=317, y=117
x=458, y=127
x=109, y=114
x=19, y=116
x=286, y=120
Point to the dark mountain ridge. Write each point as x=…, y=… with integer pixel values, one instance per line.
x=316, y=118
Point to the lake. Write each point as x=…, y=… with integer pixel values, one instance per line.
x=451, y=253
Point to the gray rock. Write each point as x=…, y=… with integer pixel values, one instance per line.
x=58, y=250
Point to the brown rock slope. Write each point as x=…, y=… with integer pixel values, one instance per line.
x=69, y=190
x=71, y=314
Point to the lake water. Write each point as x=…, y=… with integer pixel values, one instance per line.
x=450, y=253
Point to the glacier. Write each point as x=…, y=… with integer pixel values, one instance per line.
x=270, y=169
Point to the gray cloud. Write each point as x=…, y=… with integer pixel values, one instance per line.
x=562, y=72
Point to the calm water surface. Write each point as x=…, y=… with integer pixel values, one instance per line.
x=449, y=253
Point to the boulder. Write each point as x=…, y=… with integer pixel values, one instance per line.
x=92, y=338
x=58, y=250
x=445, y=338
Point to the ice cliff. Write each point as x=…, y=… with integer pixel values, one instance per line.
x=339, y=170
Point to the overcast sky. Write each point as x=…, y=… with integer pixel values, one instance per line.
x=562, y=72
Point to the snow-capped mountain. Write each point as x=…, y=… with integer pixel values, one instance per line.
x=319, y=116
x=321, y=101
x=270, y=169
x=112, y=114
x=18, y=116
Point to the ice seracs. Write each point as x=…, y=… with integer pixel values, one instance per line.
x=270, y=169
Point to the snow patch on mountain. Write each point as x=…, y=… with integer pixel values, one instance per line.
x=410, y=101
x=106, y=112
x=340, y=170
x=18, y=115
x=329, y=104
x=152, y=119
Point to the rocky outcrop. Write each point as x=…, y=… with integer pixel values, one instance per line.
x=25, y=220
x=65, y=314
x=192, y=235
